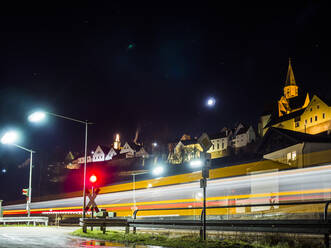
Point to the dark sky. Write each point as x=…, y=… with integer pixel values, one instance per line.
x=128, y=65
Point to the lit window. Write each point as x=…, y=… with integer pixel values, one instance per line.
x=323, y=115
x=315, y=117
x=288, y=157
x=311, y=119
x=294, y=155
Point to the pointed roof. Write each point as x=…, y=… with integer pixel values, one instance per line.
x=290, y=80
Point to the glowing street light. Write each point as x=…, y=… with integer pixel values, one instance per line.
x=154, y=144
x=37, y=116
x=40, y=116
x=10, y=138
x=196, y=163
x=158, y=170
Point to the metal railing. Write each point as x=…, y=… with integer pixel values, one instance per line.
x=34, y=220
x=290, y=226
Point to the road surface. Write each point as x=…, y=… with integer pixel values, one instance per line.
x=46, y=237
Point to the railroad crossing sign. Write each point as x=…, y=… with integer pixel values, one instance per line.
x=92, y=195
x=205, y=142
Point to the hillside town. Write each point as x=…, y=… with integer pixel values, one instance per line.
x=297, y=122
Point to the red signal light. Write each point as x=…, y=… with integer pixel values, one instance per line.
x=93, y=178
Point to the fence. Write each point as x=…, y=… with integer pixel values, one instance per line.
x=317, y=226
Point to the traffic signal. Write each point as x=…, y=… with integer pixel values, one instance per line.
x=93, y=178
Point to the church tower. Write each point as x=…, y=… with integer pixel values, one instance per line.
x=291, y=88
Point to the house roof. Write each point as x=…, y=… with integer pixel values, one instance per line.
x=135, y=146
x=189, y=142
x=297, y=102
x=242, y=130
x=218, y=135
x=290, y=116
x=105, y=149
x=278, y=138
x=302, y=137
x=298, y=137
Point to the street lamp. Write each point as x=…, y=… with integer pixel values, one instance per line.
x=205, y=165
x=40, y=116
x=10, y=138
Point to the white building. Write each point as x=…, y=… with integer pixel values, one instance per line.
x=220, y=143
x=133, y=150
x=100, y=153
x=242, y=136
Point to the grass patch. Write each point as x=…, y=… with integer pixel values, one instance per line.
x=188, y=241
x=193, y=241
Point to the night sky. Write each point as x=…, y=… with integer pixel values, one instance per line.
x=127, y=66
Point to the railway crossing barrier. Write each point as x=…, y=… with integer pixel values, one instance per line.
x=103, y=223
x=34, y=220
x=302, y=226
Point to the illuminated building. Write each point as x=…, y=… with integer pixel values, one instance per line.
x=297, y=112
x=117, y=143
x=295, y=149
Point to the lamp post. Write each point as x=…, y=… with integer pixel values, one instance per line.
x=205, y=165
x=9, y=138
x=40, y=115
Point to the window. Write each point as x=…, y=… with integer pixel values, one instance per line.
x=311, y=109
x=323, y=115
x=306, y=122
x=291, y=157
x=218, y=146
x=213, y=147
x=222, y=145
x=315, y=117
x=297, y=124
x=318, y=106
x=311, y=119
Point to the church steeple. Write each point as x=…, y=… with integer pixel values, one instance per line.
x=291, y=88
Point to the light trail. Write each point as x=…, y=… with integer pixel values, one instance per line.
x=301, y=184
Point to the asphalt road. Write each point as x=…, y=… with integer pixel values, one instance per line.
x=46, y=237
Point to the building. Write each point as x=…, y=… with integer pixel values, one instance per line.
x=296, y=149
x=297, y=112
x=184, y=150
x=133, y=149
x=221, y=142
x=242, y=136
